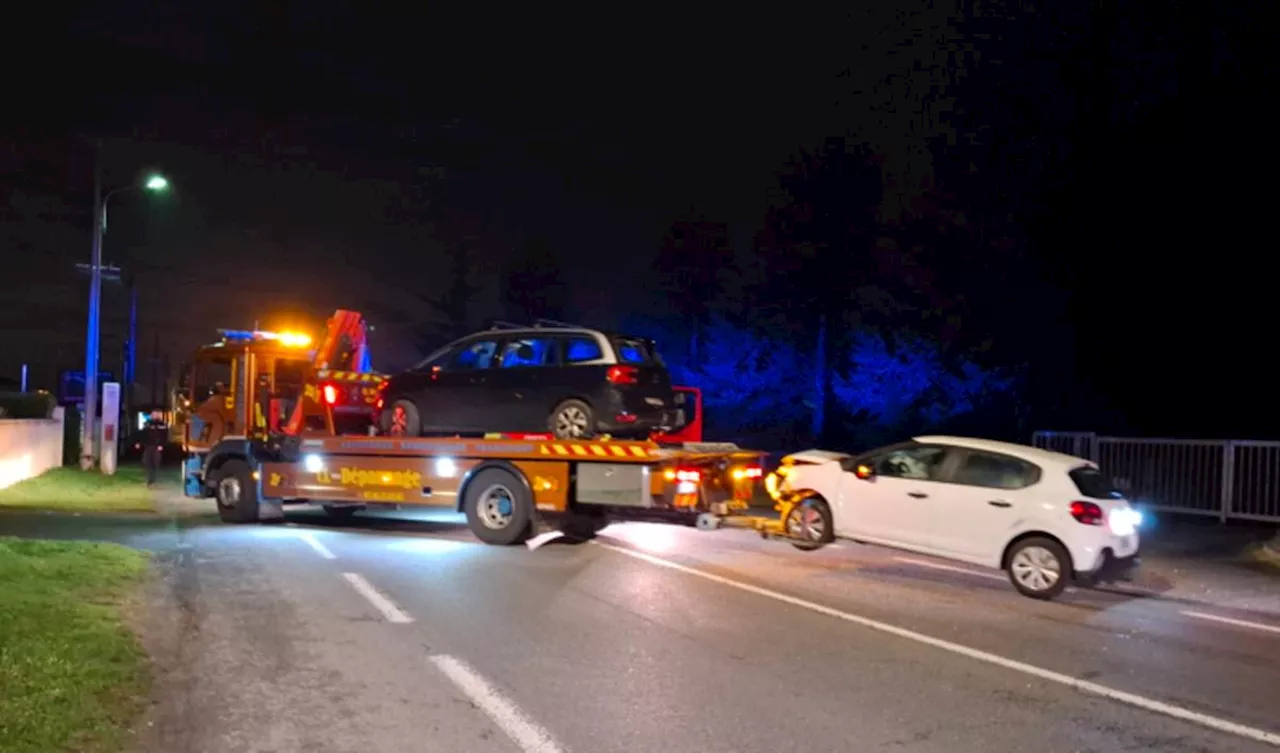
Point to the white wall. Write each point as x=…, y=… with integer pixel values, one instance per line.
x=29, y=447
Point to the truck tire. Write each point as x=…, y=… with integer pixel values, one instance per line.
x=583, y=525
x=402, y=419
x=499, y=507
x=236, y=492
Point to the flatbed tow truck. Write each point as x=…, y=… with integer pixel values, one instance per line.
x=510, y=486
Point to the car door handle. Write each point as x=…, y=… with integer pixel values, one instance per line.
x=917, y=495
x=1000, y=503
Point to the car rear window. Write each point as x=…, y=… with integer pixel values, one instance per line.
x=579, y=349
x=1091, y=483
x=633, y=350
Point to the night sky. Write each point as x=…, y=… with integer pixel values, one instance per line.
x=324, y=156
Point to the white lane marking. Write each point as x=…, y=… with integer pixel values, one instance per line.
x=525, y=732
x=310, y=538
x=1133, y=699
x=1232, y=621
x=950, y=568
x=389, y=610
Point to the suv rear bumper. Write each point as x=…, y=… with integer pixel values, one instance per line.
x=644, y=422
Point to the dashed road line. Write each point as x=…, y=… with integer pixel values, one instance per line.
x=385, y=606
x=1087, y=686
x=323, y=550
x=1233, y=621
x=522, y=730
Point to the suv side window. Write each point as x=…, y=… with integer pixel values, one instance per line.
x=923, y=462
x=476, y=355
x=581, y=349
x=995, y=471
x=530, y=351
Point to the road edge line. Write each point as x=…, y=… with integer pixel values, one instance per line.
x=1087, y=686
x=1232, y=621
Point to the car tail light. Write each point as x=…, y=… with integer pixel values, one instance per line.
x=623, y=375
x=330, y=393
x=1087, y=513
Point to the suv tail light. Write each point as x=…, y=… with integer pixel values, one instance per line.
x=1087, y=513
x=623, y=375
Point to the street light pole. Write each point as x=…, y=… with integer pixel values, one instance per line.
x=88, y=453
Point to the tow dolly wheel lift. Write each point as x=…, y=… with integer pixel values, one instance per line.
x=803, y=519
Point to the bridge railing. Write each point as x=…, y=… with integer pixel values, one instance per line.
x=1225, y=478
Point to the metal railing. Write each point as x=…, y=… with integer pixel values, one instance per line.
x=1226, y=478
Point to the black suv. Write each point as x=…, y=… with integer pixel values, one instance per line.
x=574, y=383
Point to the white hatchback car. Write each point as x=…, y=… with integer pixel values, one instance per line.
x=1044, y=517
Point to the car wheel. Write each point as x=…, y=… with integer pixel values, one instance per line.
x=1039, y=567
x=572, y=419
x=402, y=420
x=499, y=507
x=809, y=524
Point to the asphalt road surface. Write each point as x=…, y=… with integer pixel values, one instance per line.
x=399, y=634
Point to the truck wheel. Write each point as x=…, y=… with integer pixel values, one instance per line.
x=499, y=507
x=402, y=420
x=1039, y=567
x=572, y=419
x=236, y=492
x=809, y=524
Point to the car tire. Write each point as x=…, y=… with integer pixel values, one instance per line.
x=809, y=525
x=499, y=507
x=236, y=492
x=572, y=419
x=1039, y=567
x=402, y=419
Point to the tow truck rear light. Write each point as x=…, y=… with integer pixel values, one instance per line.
x=1087, y=513
x=330, y=393
x=623, y=375
x=750, y=471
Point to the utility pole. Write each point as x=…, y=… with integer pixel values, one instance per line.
x=88, y=452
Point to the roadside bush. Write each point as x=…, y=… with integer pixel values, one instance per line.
x=26, y=405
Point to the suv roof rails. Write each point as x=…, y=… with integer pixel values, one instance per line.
x=499, y=324
x=554, y=323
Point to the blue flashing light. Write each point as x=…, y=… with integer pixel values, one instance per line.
x=237, y=335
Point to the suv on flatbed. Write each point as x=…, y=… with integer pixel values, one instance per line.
x=572, y=382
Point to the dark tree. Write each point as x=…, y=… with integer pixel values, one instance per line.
x=532, y=284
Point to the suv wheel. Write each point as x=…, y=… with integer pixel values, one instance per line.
x=402, y=420
x=572, y=419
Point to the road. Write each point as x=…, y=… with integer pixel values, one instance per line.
x=393, y=634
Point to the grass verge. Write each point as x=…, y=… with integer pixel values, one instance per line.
x=1265, y=556
x=72, y=489
x=72, y=675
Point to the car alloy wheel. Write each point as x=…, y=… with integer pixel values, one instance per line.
x=571, y=422
x=1036, y=568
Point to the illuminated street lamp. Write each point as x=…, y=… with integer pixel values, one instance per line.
x=88, y=433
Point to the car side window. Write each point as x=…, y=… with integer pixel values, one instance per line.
x=530, y=351
x=995, y=471
x=921, y=462
x=580, y=349
x=476, y=355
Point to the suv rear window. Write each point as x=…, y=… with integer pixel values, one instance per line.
x=1091, y=483
x=633, y=350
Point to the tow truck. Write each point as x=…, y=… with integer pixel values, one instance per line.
x=278, y=437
